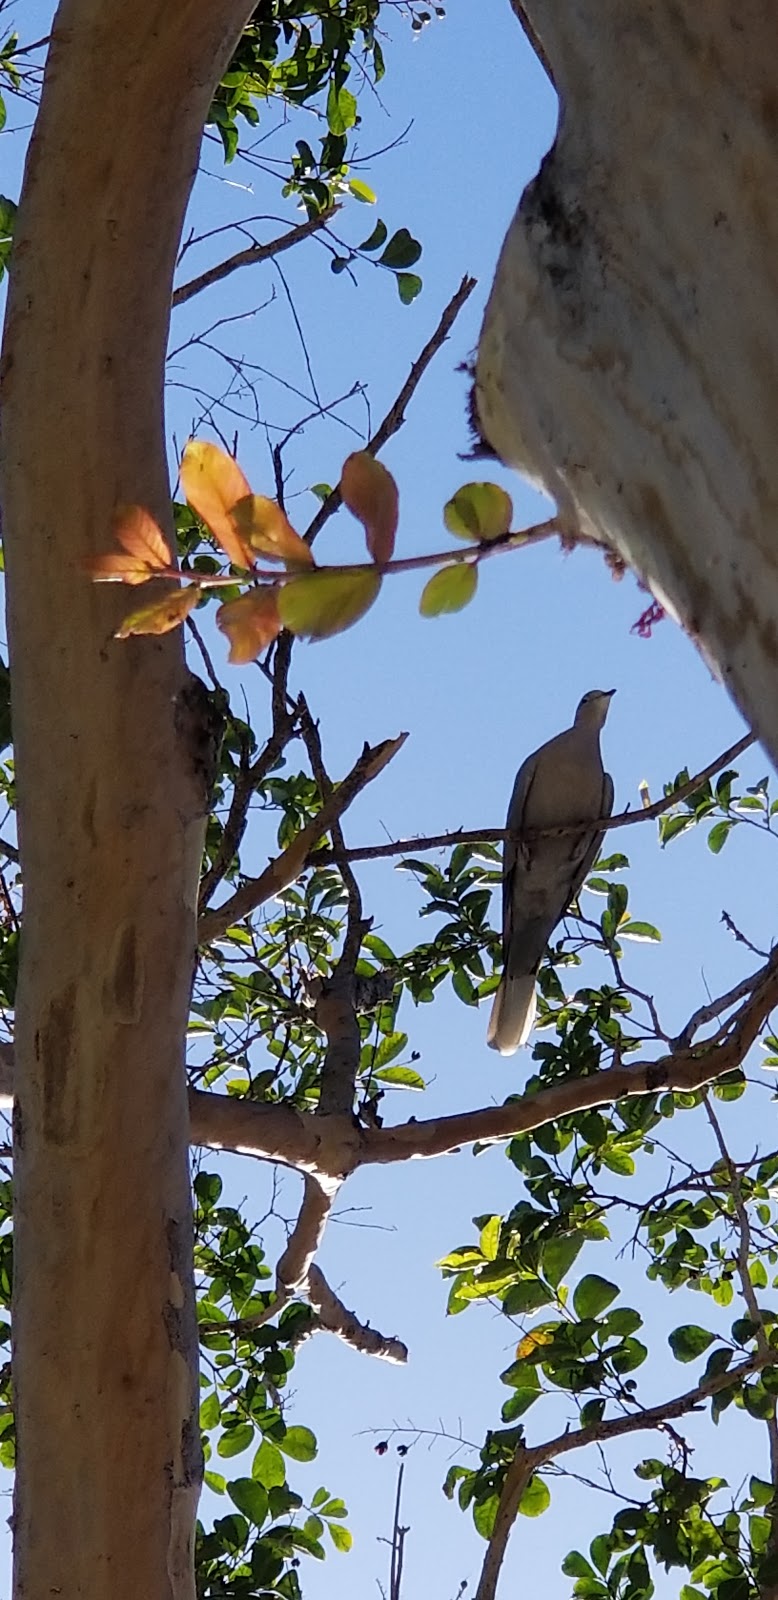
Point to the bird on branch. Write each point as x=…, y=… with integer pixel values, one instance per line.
x=560, y=784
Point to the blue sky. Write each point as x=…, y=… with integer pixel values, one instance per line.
x=476, y=692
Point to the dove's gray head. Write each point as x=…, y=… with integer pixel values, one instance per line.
x=594, y=707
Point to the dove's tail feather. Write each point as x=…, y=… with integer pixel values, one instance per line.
x=513, y=1013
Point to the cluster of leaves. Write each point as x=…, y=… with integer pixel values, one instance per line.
x=301, y=51
x=716, y=803
x=310, y=601
x=397, y=255
x=727, y=1553
x=256, y=1545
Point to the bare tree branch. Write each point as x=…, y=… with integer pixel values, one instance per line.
x=623, y=819
x=395, y=416
x=333, y=1315
x=336, y=1012
x=528, y=1461
x=285, y=868
x=250, y=256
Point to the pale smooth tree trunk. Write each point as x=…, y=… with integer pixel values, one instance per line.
x=112, y=760
x=629, y=354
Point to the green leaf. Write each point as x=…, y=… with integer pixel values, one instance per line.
x=214, y=1481
x=235, y=1440
x=536, y=1498
x=402, y=251
x=250, y=1497
x=757, y=1402
x=341, y=109
x=340, y=1537
x=268, y=1466
x=484, y=1515
x=321, y=604
x=479, y=511
x=409, y=285
x=526, y=1295
x=641, y=932
x=450, y=589
x=361, y=192
x=299, y=1443
x=559, y=1255
x=576, y=1566
x=688, y=1342
x=402, y=1077
x=735, y=1589
x=593, y=1295
x=718, y=835
x=375, y=239
x=761, y=1493
x=490, y=1238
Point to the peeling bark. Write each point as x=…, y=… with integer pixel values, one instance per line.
x=113, y=791
x=629, y=354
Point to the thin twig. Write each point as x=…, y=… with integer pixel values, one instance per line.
x=250, y=256
x=395, y=416
x=623, y=819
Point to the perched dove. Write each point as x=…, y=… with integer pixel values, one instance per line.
x=562, y=782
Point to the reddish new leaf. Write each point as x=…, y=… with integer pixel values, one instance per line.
x=251, y=623
x=262, y=525
x=213, y=483
x=370, y=493
x=161, y=615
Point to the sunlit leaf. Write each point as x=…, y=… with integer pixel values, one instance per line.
x=250, y=1497
x=340, y=1537
x=361, y=191
x=299, y=1443
x=534, y=1341
x=479, y=511
x=536, y=1498
x=162, y=615
x=324, y=603
x=450, y=589
x=251, y=623
x=370, y=493
x=213, y=484
x=144, y=550
x=262, y=525
x=593, y=1294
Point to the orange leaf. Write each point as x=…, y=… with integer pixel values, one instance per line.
x=117, y=568
x=162, y=614
x=262, y=525
x=251, y=623
x=212, y=482
x=138, y=534
x=370, y=493
x=146, y=550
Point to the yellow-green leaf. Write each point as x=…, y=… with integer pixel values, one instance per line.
x=370, y=493
x=251, y=623
x=162, y=615
x=449, y=589
x=323, y=603
x=479, y=511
